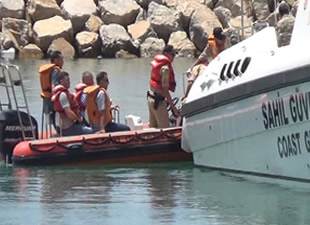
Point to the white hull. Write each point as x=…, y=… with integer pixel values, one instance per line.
x=234, y=137
x=255, y=120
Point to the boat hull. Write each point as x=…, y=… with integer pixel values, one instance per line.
x=100, y=149
x=266, y=135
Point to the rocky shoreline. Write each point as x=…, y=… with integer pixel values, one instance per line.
x=124, y=28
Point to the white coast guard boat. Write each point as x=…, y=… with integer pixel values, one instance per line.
x=250, y=111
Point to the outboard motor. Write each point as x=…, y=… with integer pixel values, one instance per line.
x=11, y=131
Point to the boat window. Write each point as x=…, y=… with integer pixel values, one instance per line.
x=222, y=72
x=229, y=75
x=236, y=70
x=245, y=64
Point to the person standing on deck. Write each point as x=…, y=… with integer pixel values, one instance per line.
x=162, y=81
x=285, y=24
x=68, y=118
x=216, y=44
x=99, y=106
x=48, y=80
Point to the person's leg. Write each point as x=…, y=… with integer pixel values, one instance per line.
x=161, y=115
x=152, y=120
x=77, y=129
x=114, y=127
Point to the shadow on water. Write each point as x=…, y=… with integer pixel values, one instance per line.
x=144, y=194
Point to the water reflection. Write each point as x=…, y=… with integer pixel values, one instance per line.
x=144, y=195
x=233, y=200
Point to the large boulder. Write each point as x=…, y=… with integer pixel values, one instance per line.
x=42, y=9
x=184, y=8
x=145, y=3
x=114, y=37
x=151, y=46
x=45, y=31
x=12, y=8
x=78, y=12
x=163, y=20
x=31, y=51
x=201, y=25
x=88, y=44
x=224, y=15
x=141, y=31
x=20, y=29
x=93, y=24
x=62, y=45
x=182, y=44
x=123, y=12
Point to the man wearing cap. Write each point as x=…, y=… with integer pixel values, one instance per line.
x=216, y=44
x=162, y=81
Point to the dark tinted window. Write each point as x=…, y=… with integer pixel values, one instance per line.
x=222, y=72
x=236, y=69
x=245, y=64
x=229, y=69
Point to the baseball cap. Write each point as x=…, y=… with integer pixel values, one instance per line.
x=218, y=33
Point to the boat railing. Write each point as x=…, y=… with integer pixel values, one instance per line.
x=115, y=114
x=7, y=81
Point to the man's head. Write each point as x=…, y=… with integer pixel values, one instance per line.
x=169, y=51
x=284, y=8
x=57, y=58
x=219, y=35
x=64, y=79
x=102, y=79
x=88, y=78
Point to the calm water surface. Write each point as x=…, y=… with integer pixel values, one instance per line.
x=140, y=194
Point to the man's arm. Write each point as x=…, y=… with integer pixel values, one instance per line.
x=165, y=83
x=54, y=78
x=100, y=102
x=66, y=107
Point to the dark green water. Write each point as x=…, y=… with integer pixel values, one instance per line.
x=169, y=194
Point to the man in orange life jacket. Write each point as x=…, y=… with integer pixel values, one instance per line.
x=87, y=80
x=216, y=44
x=99, y=106
x=68, y=118
x=48, y=80
x=162, y=81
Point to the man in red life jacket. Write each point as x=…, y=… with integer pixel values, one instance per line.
x=87, y=80
x=68, y=118
x=48, y=80
x=216, y=44
x=99, y=106
x=162, y=81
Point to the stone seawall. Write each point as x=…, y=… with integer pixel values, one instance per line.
x=124, y=28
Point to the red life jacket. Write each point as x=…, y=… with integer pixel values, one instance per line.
x=78, y=94
x=56, y=103
x=159, y=61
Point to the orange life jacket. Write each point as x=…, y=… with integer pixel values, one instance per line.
x=155, y=81
x=56, y=103
x=45, y=79
x=78, y=94
x=214, y=48
x=92, y=109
